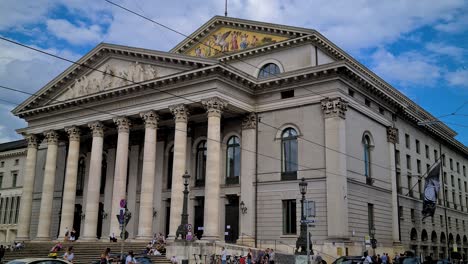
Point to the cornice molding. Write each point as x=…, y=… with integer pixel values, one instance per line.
x=13, y=153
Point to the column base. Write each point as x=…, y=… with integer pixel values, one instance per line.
x=87, y=239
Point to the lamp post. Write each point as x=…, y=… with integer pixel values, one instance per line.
x=373, y=240
x=182, y=230
x=301, y=242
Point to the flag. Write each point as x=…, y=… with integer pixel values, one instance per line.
x=431, y=191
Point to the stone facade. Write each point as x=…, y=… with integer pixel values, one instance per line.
x=245, y=141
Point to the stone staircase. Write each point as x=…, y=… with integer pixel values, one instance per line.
x=85, y=252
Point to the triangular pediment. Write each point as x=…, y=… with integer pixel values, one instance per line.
x=223, y=36
x=108, y=67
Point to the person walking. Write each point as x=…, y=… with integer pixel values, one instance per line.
x=249, y=256
x=223, y=255
x=130, y=259
x=69, y=255
x=105, y=257
x=367, y=258
x=272, y=256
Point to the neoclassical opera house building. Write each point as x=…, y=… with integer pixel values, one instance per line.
x=247, y=109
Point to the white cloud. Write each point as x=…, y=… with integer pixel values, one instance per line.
x=409, y=68
x=63, y=29
x=14, y=13
x=455, y=25
x=458, y=78
x=456, y=53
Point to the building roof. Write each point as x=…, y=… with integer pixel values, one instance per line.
x=18, y=144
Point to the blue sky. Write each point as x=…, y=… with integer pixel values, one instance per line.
x=420, y=47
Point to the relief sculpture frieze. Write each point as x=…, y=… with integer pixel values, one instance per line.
x=112, y=76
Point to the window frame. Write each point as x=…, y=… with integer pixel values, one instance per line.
x=290, y=139
x=235, y=147
x=200, y=177
x=289, y=216
x=264, y=73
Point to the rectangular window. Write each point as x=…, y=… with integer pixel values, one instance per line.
x=443, y=160
x=418, y=166
x=466, y=189
x=381, y=111
x=436, y=155
x=428, y=167
x=459, y=185
x=408, y=162
x=2, y=164
x=400, y=212
x=456, y=222
x=464, y=170
x=445, y=178
x=418, y=147
x=289, y=217
x=452, y=180
x=398, y=178
x=451, y=163
x=397, y=158
x=16, y=162
x=449, y=221
x=458, y=167
x=441, y=220
x=407, y=141
x=351, y=92
x=413, y=216
x=461, y=202
x=370, y=214
x=14, y=176
x=1, y=179
x=5, y=212
x=18, y=203
x=287, y=94
x=421, y=188
x=12, y=211
x=427, y=152
x=454, y=201
x=410, y=191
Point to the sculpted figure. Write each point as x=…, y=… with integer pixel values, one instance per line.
x=150, y=72
x=108, y=78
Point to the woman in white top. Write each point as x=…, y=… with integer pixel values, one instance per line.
x=69, y=255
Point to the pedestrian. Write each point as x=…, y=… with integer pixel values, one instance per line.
x=174, y=260
x=2, y=252
x=67, y=234
x=384, y=258
x=367, y=258
x=223, y=255
x=105, y=257
x=130, y=259
x=73, y=235
x=249, y=256
x=69, y=255
x=272, y=256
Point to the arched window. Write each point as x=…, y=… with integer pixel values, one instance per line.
x=233, y=160
x=201, y=164
x=434, y=237
x=267, y=70
x=80, y=176
x=367, y=155
x=170, y=164
x=289, y=154
x=424, y=235
x=414, y=234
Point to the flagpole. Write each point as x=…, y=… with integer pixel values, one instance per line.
x=445, y=200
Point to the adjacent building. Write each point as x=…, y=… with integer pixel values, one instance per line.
x=247, y=109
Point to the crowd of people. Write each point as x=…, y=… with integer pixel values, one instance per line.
x=70, y=235
x=157, y=245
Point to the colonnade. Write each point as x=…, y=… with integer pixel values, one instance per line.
x=214, y=108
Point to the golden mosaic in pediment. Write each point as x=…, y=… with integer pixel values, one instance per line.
x=228, y=40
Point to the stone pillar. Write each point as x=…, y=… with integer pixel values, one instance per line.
x=181, y=114
x=392, y=138
x=334, y=110
x=247, y=181
x=69, y=187
x=28, y=187
x=94, y=183
x=120, y=176
x=45, y=213
x=214, y=107
x=145, y=220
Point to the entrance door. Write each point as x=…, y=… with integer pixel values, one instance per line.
x=99, y=223
x=77, y=219
x=231, y=227
x=199, y=217
x=168, y=219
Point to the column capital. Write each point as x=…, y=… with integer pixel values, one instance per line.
x=151, y=118
x=249, y=121
x=97, y=128
x=334, y=107
x=32, y=140
x=52, y=137
x=74, y=133
x=214, y=106
x=123, y=124
x=392, y=135
x=180, y=112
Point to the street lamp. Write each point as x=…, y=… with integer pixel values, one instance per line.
x=301, y=242
x=182, y=229
x=373, y=240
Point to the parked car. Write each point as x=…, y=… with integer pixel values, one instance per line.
x=38, y=261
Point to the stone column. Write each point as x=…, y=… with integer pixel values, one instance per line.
x=181, y=114
x=45, y=213
x=247, y=181
x=91, y=209
x=28, y=187
x=334, y=110
x=145, y=220
x=69, y=187
x=392, y=138
x=214, y=107
x=120, y=176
